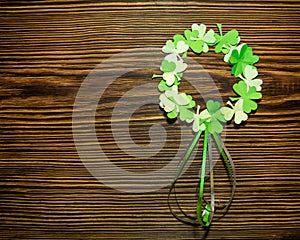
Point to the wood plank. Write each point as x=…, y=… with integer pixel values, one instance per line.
x=47, y=50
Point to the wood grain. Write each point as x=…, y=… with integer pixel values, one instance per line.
x=49, y=47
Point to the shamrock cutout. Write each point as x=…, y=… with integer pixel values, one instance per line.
x=198, y=39
x=250, y=73
x=167, y=66
x=162, y=86
x=197, y=125
x=172, y=66
x=173, y=103
x=169, y=77
x=241, y=59
x=214, y=117
x=208, y=37
x=223, y=42
x=195, y=45
x=177, y=47
x=236, y=110
x=231, y=48
x=247, y=95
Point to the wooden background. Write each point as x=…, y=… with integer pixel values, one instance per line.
x=48, y=48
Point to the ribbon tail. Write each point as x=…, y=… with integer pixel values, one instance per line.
x=229, y=165
x=177, y=175
x=211, y=173
x=205, y=216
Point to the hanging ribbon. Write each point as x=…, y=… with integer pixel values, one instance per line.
x=204, y=209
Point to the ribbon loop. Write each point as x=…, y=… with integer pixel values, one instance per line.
x=204, y=210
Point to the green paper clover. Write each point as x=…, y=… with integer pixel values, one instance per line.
x=175, y=103
x=250, y=73
x=241, y=59
x=208, y=37
x=197, y=123
x=177, y=47
x=224, y=42
x=198, y=39
x=214, y=117
x=167, y=66
x=195, y=45
x=241, y=89
x=162, y=86
x=231, y=48
x=172, y=66
x=236, y=111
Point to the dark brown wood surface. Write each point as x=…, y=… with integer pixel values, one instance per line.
x=49, y=47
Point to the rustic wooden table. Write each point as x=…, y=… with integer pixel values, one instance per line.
x=49, y=47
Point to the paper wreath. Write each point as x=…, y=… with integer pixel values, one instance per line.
x=175, y=104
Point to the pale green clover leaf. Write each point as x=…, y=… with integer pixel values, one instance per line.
x=162, y=86
x=214, y=117
x=247, y=95
x=236, y=110
x=250, y=73
x=208, y=37
x=167, y=66
x=241, y=59
x=169, y=77
x=172, y=66
x=224, y=42
x=198, y=39
x=177, y=47
x=197, y=124
x=170, y=99
x=195, y=45
x=173, y=103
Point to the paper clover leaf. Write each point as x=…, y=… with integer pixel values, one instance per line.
x=241, y=59
x=238, y=48
x=247, y=95
x=195, y=45
x=197, y=124
x=172, y=66
x=208, y=38
x=250, y=73
x=214, y=116
x=236, y=111
x=175, y=103
x=178, y=46
x=224, y=42
x=198, y=39
x=167, y=66
x=162, y=86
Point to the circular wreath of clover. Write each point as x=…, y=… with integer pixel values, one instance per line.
x=241, y=59
x=239, y=56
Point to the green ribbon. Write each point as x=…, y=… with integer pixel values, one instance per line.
x=204, y=210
